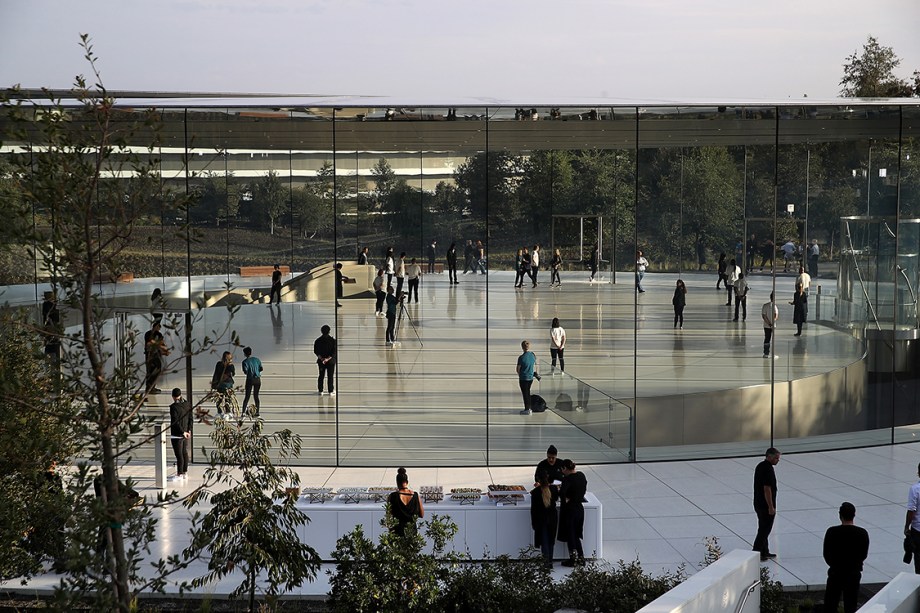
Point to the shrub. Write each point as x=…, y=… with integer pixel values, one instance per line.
x=489, y=587
x=624, y=587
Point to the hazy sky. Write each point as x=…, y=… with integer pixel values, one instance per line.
x=507, y=50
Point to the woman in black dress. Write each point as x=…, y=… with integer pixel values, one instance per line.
x=679, y=301
x=799, y=308
x=543, y=516
x=405, y=505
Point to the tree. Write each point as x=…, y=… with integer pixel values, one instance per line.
x=487, y=181
x=384, y=181
x=312, y=214
x=253, y=524
x=270, y=198
x=33, y=504
x=871, y=74
x=545, y=188
x=61, y=164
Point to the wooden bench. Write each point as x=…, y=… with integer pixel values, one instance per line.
x=262, y=271
x=107, y=277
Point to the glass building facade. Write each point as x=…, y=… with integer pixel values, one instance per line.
x=305, y=183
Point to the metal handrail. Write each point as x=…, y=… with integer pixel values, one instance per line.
x=747, y=592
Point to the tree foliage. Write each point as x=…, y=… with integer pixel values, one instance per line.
x=870, y=74
x=253, y=525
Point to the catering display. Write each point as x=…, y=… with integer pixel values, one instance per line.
x=378, y=494
x=431, y=493
x=506, y=494
x=352, y=495
x=466, y=495
x=315, y=495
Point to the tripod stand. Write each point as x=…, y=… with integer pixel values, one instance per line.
x=399, y=315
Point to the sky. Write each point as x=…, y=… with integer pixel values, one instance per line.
x=506, y=50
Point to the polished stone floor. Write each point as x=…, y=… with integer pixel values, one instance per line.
x=448, y=395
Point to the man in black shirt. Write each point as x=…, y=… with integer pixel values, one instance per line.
x=339, y=280
x=572, y=512
x=324, y=348
x=275, y=293
x=845, y=549
x=765, y=502
x=180, y=431
x=550, y=466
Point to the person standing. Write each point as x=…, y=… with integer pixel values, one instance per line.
x=51, y=326
x=432, y=254
x=390, y=266
x=594, y=262
x=527, y=372
x=400, y=272
x=722, y=267
x=799, y=304
x=741, y=292
x=379, y=293
x=252, y=368
x=405, y=505
x=845, y=549
x=519, y=269
x=452, y=264
x=362, y=257
x=641, y=266
x=550, y=465
x=731, y=275
x=765, y=502
x=180, y=431
x=274, y=295
x=912, y=522
x=788, y=254
x=769, y=313
x=557, y=345
x=468, y=256
x=526, y=263
x=572, y=514
x=679, y=301
x=751, y=250
x=324, y=348
x=700, y=253
x=543, y=516
x=767, y=253
x=340, y=279
x=555, y=265
x=414, y=274
x=154, y=350
x=535, y=264
x=392, y=304
x=222, y=381
x=804, y=279
x=813, y=253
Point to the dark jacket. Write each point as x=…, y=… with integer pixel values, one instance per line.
x=324, y=347
x=180, y=418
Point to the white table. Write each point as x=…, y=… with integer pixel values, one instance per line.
x=484, y=530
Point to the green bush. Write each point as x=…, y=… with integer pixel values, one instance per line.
x=625, y=586
x=489, y=587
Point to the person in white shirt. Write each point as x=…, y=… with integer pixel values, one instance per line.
x=804, y=279
x=557, y=345
x=769, y=313
x=813, y=253
x=400, y=272
x=731, y=275
x=641, y=265
x=741, y=291
x=912, y=521
x=390, y=267
x=535, y=264
x=414, y=274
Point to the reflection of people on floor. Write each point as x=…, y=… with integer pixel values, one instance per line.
x=584, y=393
x=277, y=324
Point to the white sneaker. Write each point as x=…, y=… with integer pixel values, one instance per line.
x=174, y=478
x=526, y=412
x=323, y=393
x=332, y=393
x=579, y=408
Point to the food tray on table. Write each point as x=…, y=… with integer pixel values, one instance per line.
x=431, y=493
x=506, y=494
x=378, y=494
x=315, y=495
x=466, y=495
x=352, y=494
